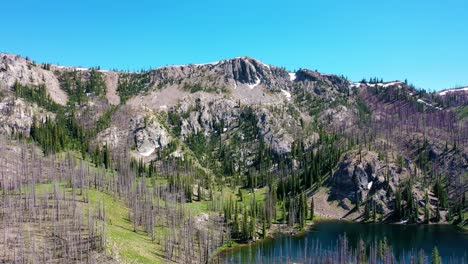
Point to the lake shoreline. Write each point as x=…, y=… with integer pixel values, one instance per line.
x=282, y=230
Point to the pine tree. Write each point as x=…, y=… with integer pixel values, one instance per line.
x=382, y=248
x=245, y=225
x=235, y=228
x=303, y=208
x=436, y=258
x=357, y=202
x=438, y=218
x=312, y=209
x=374, y=211
x=426, y=208
x=283, y=211
x=460, y=213
x=252, y=230
x=398, y=210
x=107, y=159
x=367, y=209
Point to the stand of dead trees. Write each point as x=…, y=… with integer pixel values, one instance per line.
x=47, y=216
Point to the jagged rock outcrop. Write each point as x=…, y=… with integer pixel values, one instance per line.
x=222, y=76
x=367, y=177
x=136, y=130
x=16, y=116
x=15, y=68
x=318, y=83
x=149, y=135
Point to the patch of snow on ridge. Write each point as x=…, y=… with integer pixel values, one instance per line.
x=427, y=104
x=464, y=89
x=391, y=83
x=287, y=94
x=386, y=84
x=292, y=76
x=72, y=68
x=257, y=82
x=208, y=63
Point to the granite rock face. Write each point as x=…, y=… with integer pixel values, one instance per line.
x=16, y=116
x=150, y=136
x=367, y=177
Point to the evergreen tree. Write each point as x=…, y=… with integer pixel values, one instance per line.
x=235, y=228
x=357, y=203
x=367, y=209
x=374, y=211
x=312, y=209
x=382, y=248
x=436, y=258
x=426, y=208
x=283, y=211
x=460, y=213
x=107, y=159
x=303, y=210
x=264, y=229
x=398, y=211
x=252, y=223
x=245, y=225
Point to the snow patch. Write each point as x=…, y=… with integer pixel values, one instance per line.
x=427, y=104
x=391, y=84
x=257, y=82
x=292, y=76
x=191, y=64
x=287, y=94
x=72, y=68
x=385, y=84
x=369, y=185
x=462, y=89
x=208, y=63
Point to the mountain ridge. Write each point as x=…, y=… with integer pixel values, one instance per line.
x=213, y=137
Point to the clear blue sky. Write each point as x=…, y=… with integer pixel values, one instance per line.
x=423, y=41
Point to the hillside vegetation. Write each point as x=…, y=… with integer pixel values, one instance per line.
x=174, y=164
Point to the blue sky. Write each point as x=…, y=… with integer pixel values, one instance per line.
x=423, y=41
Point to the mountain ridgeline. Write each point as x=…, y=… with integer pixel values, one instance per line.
x=182, y=160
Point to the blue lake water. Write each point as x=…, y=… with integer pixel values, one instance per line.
x=451, y=241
